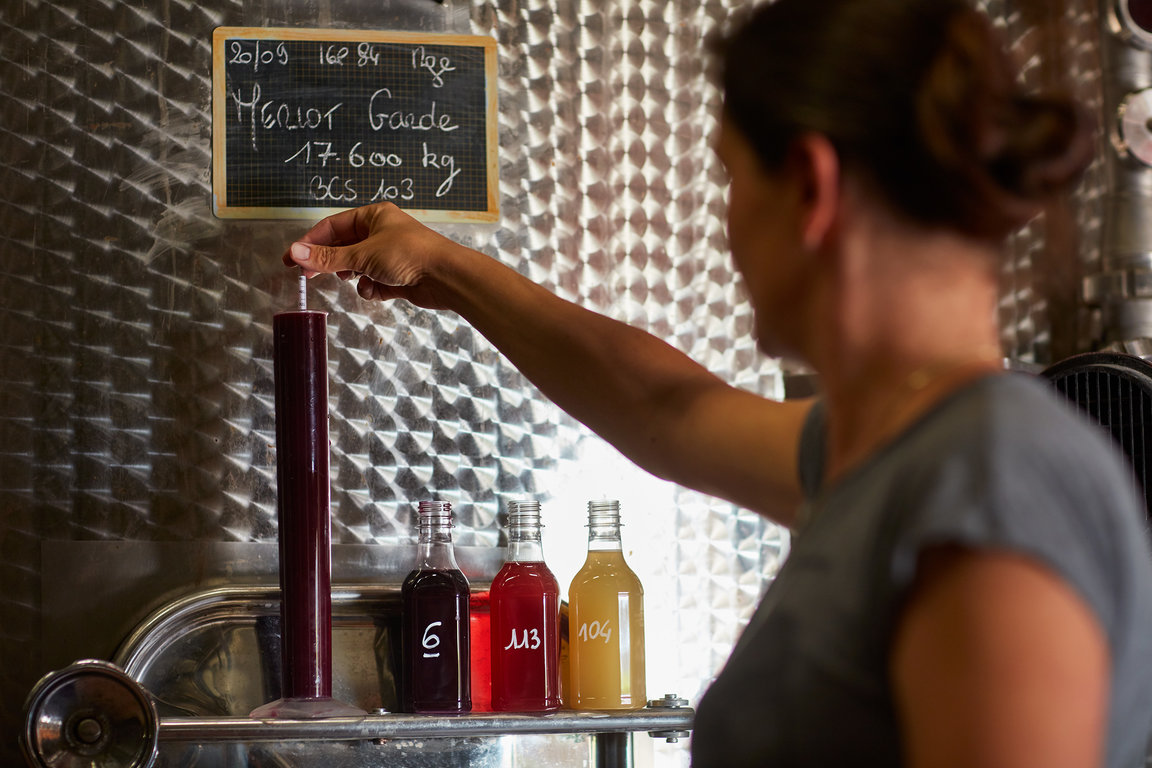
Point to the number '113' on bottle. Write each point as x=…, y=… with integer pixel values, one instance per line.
x=525, y=605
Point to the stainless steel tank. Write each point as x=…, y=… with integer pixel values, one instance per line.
x=137, y=457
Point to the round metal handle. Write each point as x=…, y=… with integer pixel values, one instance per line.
x=1133, y=21
x=1134, y=118
x=90, y=715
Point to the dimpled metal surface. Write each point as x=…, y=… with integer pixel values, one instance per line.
x=136, y=398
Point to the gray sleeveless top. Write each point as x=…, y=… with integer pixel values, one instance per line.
x=1002, y=463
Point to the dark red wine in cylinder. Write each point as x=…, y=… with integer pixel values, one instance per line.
x=436, y=642
x=525, y=605
x=300, y=359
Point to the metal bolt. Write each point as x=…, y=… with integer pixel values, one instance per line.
x=670, y=701
x=89, y=730
x=670, y=736
x=380, y=711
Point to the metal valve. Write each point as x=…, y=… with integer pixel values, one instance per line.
x=90, y=715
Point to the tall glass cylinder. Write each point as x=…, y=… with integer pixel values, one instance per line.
x=300, y=364
x=300, y=361
x=606, y=621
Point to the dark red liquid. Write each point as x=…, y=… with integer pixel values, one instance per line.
x=525, y=604
x=300, y=361
x=436, y=642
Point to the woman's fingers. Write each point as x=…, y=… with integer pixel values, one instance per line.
x=339, y=229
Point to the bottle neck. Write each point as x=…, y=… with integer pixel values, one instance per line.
x=604, y=526
x=524, y=533
x=604, y=539
x=435, y=550
x=526, y=550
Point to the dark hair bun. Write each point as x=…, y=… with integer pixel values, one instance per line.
x=1006, y=151
x=918, y=97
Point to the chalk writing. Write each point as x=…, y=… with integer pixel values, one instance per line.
x=530, y=640
x=393, y=192
x=399, y=119
x=441, y=162
x=273, y=115
x=595, y=630
x=421, y=59
x=321, y=119
x=431, y=640
x=367, y=55
x=245, y=52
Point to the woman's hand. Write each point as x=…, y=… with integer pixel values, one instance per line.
x=394, y=255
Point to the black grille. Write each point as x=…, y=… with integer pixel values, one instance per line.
x=1114, y=390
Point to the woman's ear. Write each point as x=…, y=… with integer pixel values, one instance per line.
x=816, y=161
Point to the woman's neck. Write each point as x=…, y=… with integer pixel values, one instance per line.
x=905, y=330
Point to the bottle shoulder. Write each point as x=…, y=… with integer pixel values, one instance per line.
x=606, y=560
x=601, y=570
x=525, y=576
x=435, y=578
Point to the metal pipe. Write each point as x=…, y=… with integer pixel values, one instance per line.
x=206, y=730
x=612, y=750
x=1121, y=291
x=93, y=711
x=224, y=604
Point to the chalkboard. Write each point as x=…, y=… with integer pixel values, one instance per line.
x=306, y=122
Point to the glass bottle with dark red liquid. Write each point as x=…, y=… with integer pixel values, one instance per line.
x=525, y=604
x=435, y=621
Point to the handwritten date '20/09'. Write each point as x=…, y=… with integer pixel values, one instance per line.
x=249, y=53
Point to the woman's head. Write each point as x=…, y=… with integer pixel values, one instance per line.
x=919, y=100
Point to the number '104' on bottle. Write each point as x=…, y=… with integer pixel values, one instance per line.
x=606, y=621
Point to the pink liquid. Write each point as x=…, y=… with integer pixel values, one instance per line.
x=436, y=642
x=480, y=621
x=300, y=361
x=525, y=639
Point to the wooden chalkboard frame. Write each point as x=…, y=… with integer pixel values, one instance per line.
x=220, y=106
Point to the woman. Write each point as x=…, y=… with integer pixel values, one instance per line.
x=969, y=583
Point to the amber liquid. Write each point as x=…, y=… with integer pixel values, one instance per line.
x=606, y=635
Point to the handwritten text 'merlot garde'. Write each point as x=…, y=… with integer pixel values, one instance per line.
x=279, y=115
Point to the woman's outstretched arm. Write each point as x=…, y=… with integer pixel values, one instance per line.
x=661, y=409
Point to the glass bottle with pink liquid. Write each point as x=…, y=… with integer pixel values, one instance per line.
x=606, y=621
x=435, y=621
x=525, y=605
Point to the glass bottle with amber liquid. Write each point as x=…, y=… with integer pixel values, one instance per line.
x=435, y=632
x=525, y=605
x=606, y=621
